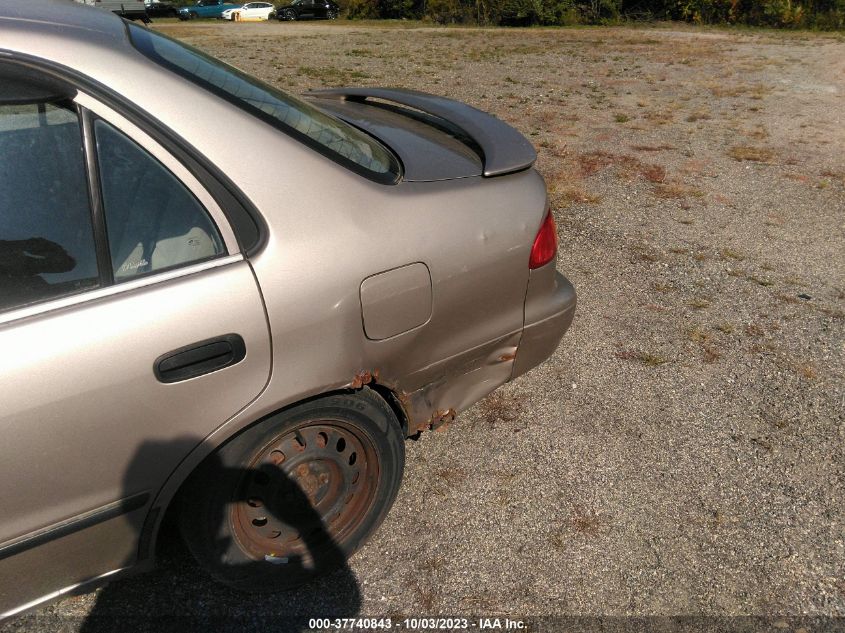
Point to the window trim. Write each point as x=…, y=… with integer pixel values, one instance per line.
x=88, y=109
x=179, y=171
x=94, y=294
x=95, y=197
x=73, y=109
x=244, y=218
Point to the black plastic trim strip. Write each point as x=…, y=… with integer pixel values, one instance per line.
x=246, y=221
x=75, y=524
x=95, y=194
x=504, y=149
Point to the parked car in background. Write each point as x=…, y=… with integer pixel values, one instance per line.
x=251, y=11
x=129, y=9
x=156, y=9
x=238, y=324
x=308, y=10
x=206, y=9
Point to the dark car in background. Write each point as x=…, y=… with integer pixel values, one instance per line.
x=308, y=10
x=156, y=9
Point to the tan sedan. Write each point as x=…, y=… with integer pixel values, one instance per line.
x=220, y=301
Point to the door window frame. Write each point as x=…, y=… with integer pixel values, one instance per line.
x=90, y=108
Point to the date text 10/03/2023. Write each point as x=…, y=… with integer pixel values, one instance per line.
x=417, y=624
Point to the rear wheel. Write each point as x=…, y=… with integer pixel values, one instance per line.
x=294, y=496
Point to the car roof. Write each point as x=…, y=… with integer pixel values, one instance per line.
x=71, y=20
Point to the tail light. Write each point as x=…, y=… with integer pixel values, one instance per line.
x=545, y=244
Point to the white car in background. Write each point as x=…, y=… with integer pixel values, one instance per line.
x=250, y=11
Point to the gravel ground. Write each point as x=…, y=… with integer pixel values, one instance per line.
x=682, y=451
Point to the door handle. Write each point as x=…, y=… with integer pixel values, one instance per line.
x=199, y=358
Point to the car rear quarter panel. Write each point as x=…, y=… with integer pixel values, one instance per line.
x=473, y=234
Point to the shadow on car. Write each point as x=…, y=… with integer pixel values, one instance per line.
x=180, y=596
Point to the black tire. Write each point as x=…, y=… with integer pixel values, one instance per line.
x=294, y=496
x=193, y=15
x=331, y=14
x=288, y=15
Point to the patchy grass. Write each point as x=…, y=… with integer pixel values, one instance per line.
x=501, y=407
x=697, y=335
x=653, y=173
x=705, y=342
x=805, y=370
x=584, y=521
x=432, y=564
x=760, y=281
x=452, y=476
x=754, y=154
x=645, y=253
x=676, y=191
x=653, y=148
x=648, y=359
x=729, y=253
x=423, y=595
x=754, y=329
x=698, y=116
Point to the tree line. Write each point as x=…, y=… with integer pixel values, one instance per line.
x=819, y=14
x=814, y=14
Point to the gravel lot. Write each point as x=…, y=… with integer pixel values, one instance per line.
x=682, y=453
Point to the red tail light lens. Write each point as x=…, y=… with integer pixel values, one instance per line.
x=545, y=244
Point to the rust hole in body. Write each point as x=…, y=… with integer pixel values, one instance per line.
x=364, y=377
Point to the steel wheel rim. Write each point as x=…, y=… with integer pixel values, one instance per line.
x=335, y=468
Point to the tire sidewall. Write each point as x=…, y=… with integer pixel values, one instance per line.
x=218, y=549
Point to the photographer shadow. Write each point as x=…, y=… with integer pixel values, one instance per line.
x=180, y=596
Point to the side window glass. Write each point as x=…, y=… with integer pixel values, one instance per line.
x=153, y=221
x=46, y=236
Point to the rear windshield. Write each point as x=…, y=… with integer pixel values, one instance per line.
x=334, y=138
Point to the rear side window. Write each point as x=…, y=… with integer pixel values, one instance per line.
x=153, y=221
x=328, y=135
x=46, y=235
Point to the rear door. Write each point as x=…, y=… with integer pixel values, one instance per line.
x=306, y=9
x=131, y=327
